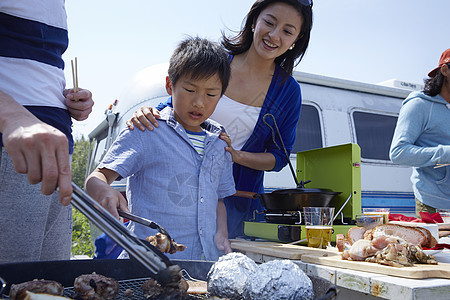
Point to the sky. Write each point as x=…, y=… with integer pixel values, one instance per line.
x=362, y=40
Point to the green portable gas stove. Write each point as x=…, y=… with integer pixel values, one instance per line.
x=335, y=168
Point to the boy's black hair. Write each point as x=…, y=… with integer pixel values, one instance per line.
x=199, y=59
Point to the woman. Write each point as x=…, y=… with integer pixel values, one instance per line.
x=263, y=54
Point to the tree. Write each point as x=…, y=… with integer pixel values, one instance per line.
x=81, y=234
x=79, y=161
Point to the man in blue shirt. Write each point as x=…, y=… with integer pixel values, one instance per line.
x=178, y=176
x=422, y=139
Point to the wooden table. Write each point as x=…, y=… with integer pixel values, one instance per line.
x=353, y=284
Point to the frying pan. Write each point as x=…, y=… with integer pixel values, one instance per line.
x=290, y=199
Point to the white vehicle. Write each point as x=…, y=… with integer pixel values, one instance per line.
x=334, y=112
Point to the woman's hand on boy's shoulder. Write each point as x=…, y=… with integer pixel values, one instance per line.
x=144, y=117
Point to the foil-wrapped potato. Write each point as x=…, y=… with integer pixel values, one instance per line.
x=228, y=276
x=278, y=279
x=235, y=276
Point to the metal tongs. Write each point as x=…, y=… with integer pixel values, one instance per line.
x=148, y=223
x=146, y=254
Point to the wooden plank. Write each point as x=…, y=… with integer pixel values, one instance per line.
x=418, y=271
x=277, y=249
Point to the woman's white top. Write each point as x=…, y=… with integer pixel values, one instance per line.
x=238, y=119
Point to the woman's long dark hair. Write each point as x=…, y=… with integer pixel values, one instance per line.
x=288, y=60
x=434, y=84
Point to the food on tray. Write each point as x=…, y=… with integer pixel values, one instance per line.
x=340, y=242
x=228, y=276
x=18, y=291
x=95, y=287
x=355, y=233
x=387, y=244
x=161, y=241
x=410, y=234
x=153, y=290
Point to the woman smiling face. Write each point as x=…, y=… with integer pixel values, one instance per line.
x=276, y=29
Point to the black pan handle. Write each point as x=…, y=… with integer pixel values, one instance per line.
x=282, y=144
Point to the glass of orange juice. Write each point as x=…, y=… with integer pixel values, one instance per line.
x=378, y=211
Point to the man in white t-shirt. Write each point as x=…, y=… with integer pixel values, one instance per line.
x=36, y=135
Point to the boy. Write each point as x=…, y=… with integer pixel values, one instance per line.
x=177, y=175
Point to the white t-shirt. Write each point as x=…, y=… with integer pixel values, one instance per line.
x=27, y=79
x=238, y=119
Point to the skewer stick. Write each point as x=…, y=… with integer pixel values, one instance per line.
x=75, y=76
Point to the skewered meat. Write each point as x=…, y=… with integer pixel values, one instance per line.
x=95, y=287
x=153, y=290
x=17, y=291
x=161, y=241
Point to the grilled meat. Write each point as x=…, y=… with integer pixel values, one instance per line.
x=360, y=250
x=18, y=291
x=161, y=241
x=95, y=287
x=153, y=290
x=410, y=234
x=388, y=249
x=354, y=234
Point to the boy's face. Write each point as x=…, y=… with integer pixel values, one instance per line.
x=194, y=100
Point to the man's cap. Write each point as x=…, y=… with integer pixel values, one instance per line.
x=445, y=58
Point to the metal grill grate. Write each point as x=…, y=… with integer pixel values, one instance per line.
x=134, y=285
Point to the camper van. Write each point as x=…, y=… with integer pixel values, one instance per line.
x=334, y=112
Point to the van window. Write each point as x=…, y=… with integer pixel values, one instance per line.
x=309, y=132
x=374, y=134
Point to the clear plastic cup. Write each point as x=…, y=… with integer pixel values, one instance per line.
x=318, y=225
x=378, y=211
x=369, y=221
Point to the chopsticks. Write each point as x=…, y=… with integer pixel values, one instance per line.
x=75, y=76
x=441, y=165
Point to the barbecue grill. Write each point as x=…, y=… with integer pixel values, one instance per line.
x=129, y=273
